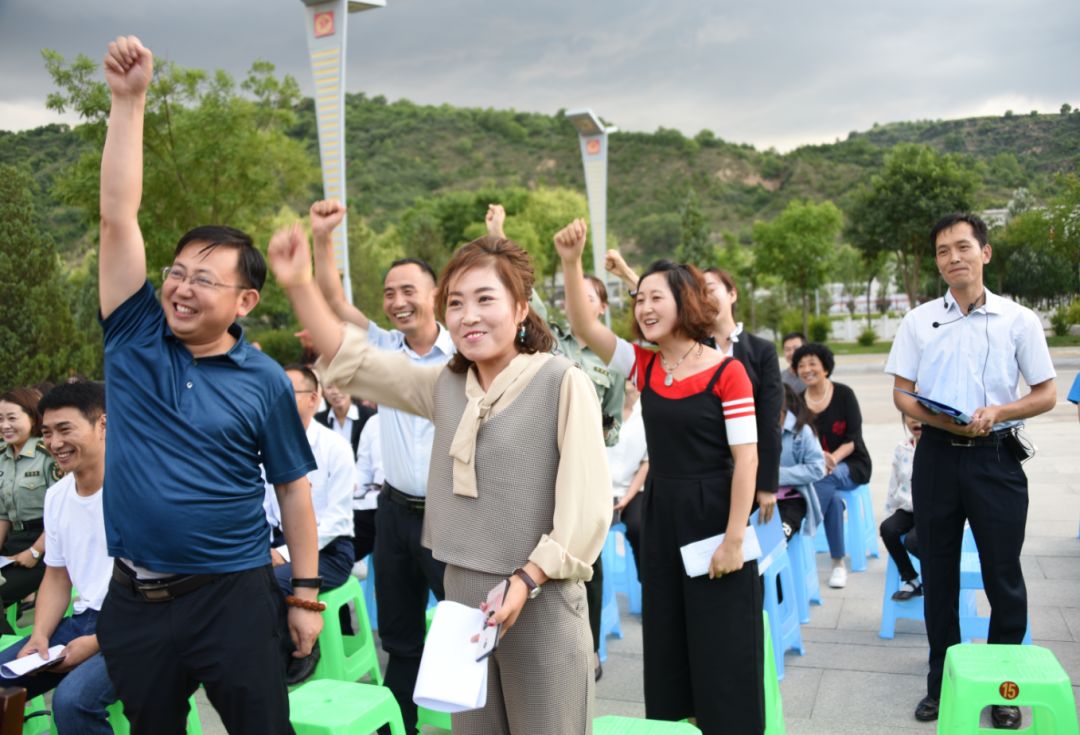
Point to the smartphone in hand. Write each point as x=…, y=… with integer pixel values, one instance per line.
x=489, y=636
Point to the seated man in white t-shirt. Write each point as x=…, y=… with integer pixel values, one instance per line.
x=333, y=483
x=73, y=429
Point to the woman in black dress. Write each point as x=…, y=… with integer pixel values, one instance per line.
x=839, y=425
x=702, y=636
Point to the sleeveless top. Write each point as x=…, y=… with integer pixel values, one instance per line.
x=517, y=461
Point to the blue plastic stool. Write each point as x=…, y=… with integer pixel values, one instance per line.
x=804, y=569
x=621, y=567
x=783, y=616
x=369, y=592
x=973, y=625
x=893, y=610
x=860, y=529
x=609, y=606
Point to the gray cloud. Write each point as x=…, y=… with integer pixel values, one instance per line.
x=777, y=72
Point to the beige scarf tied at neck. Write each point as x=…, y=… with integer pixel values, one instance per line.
x=480, y=406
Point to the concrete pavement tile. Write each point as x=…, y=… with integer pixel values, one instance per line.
x=798, y=691
x=622, y=679
x=813, y=727
x=1058, y=567
x=883, y=701
x=618, y=707
x=1053, y=592
x=1048, y=624
x=875, y=658
x=1072, y=620
x=915, y=638
x=860, y=614
x=825, y=615
x=1046, y=544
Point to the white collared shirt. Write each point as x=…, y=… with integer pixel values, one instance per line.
x=972, y=361
x=333, y=482
x=344, y=429
x=369, y=469
x=734, y=337
x=406, y=439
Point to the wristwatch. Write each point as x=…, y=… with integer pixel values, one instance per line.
x=35, y=553
x=532, y=586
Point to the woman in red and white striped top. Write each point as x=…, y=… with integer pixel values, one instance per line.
x=702, y=636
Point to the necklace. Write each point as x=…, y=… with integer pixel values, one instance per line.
x=817, y=404
x=670, y=378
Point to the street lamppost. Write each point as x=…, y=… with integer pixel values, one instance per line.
x=326, y=23
x=593, y=136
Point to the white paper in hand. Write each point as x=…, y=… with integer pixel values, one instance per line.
x=450, y=678
x=696, y=556
x=33, y=662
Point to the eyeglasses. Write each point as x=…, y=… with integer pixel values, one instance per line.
x=203, y=283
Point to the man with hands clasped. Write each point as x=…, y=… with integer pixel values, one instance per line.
x=194, y=410
x=968, y=350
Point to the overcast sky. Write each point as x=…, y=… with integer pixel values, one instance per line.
x=768, y=72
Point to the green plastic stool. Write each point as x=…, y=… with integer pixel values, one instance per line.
x=121, y=726
x=613, y=725
x=774, y=706
x=24, y=631
x=40, y=720
x=425, y=716
x=327, y=707
x=346, y=657
x=984, y=674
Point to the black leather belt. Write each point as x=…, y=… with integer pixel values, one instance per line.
x=412, y=502
x=160, y=590
x=993, y=439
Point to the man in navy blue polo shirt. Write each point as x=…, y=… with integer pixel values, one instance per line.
x=193, y=411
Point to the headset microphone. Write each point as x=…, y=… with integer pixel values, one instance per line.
x=971, y=307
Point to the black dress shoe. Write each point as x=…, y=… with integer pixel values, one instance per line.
x=1005, y=717
x=927, y=709
x=906, y=593
x=300, y=669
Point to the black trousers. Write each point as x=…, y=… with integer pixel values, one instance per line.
x=363, y=533
x=985, y=485
x=19, y=581
x=631, y=516
x=792, y=512
x=594, y=597
x=404, y=572
x=899, y=545
x=230, y=636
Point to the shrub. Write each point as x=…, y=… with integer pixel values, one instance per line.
x=820, y=327
x=279, y=344
x=1060, y=321
x=867, y=337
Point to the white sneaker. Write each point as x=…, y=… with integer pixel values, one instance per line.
x=838, y=578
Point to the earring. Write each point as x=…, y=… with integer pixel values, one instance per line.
x=521, y=333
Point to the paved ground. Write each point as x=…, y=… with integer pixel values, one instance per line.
x=852, y=681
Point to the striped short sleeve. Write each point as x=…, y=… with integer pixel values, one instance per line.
x=737, y=397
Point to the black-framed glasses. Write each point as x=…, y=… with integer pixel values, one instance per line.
x=171, y=273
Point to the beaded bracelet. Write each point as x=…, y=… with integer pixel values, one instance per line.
x=313, y=605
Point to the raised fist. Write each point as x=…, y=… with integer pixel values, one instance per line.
x=129, y=66
x=494, y=219
x=613, y=262
x=290, y=256
x=570, y=240
x=326, y=215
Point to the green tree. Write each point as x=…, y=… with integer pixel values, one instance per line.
x=37, y=335
x=799, y=247
x=214, y=153
x=896, y=212
x=694, y=246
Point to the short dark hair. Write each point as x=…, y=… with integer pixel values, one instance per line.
x=694, y=310
x=86, y=396
x=27, y=399
x=819, y=351
x=250, y=263
x=310, y=378
x=978, y=227
x=423, y=265
x=599, y=287
x=793, y=335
